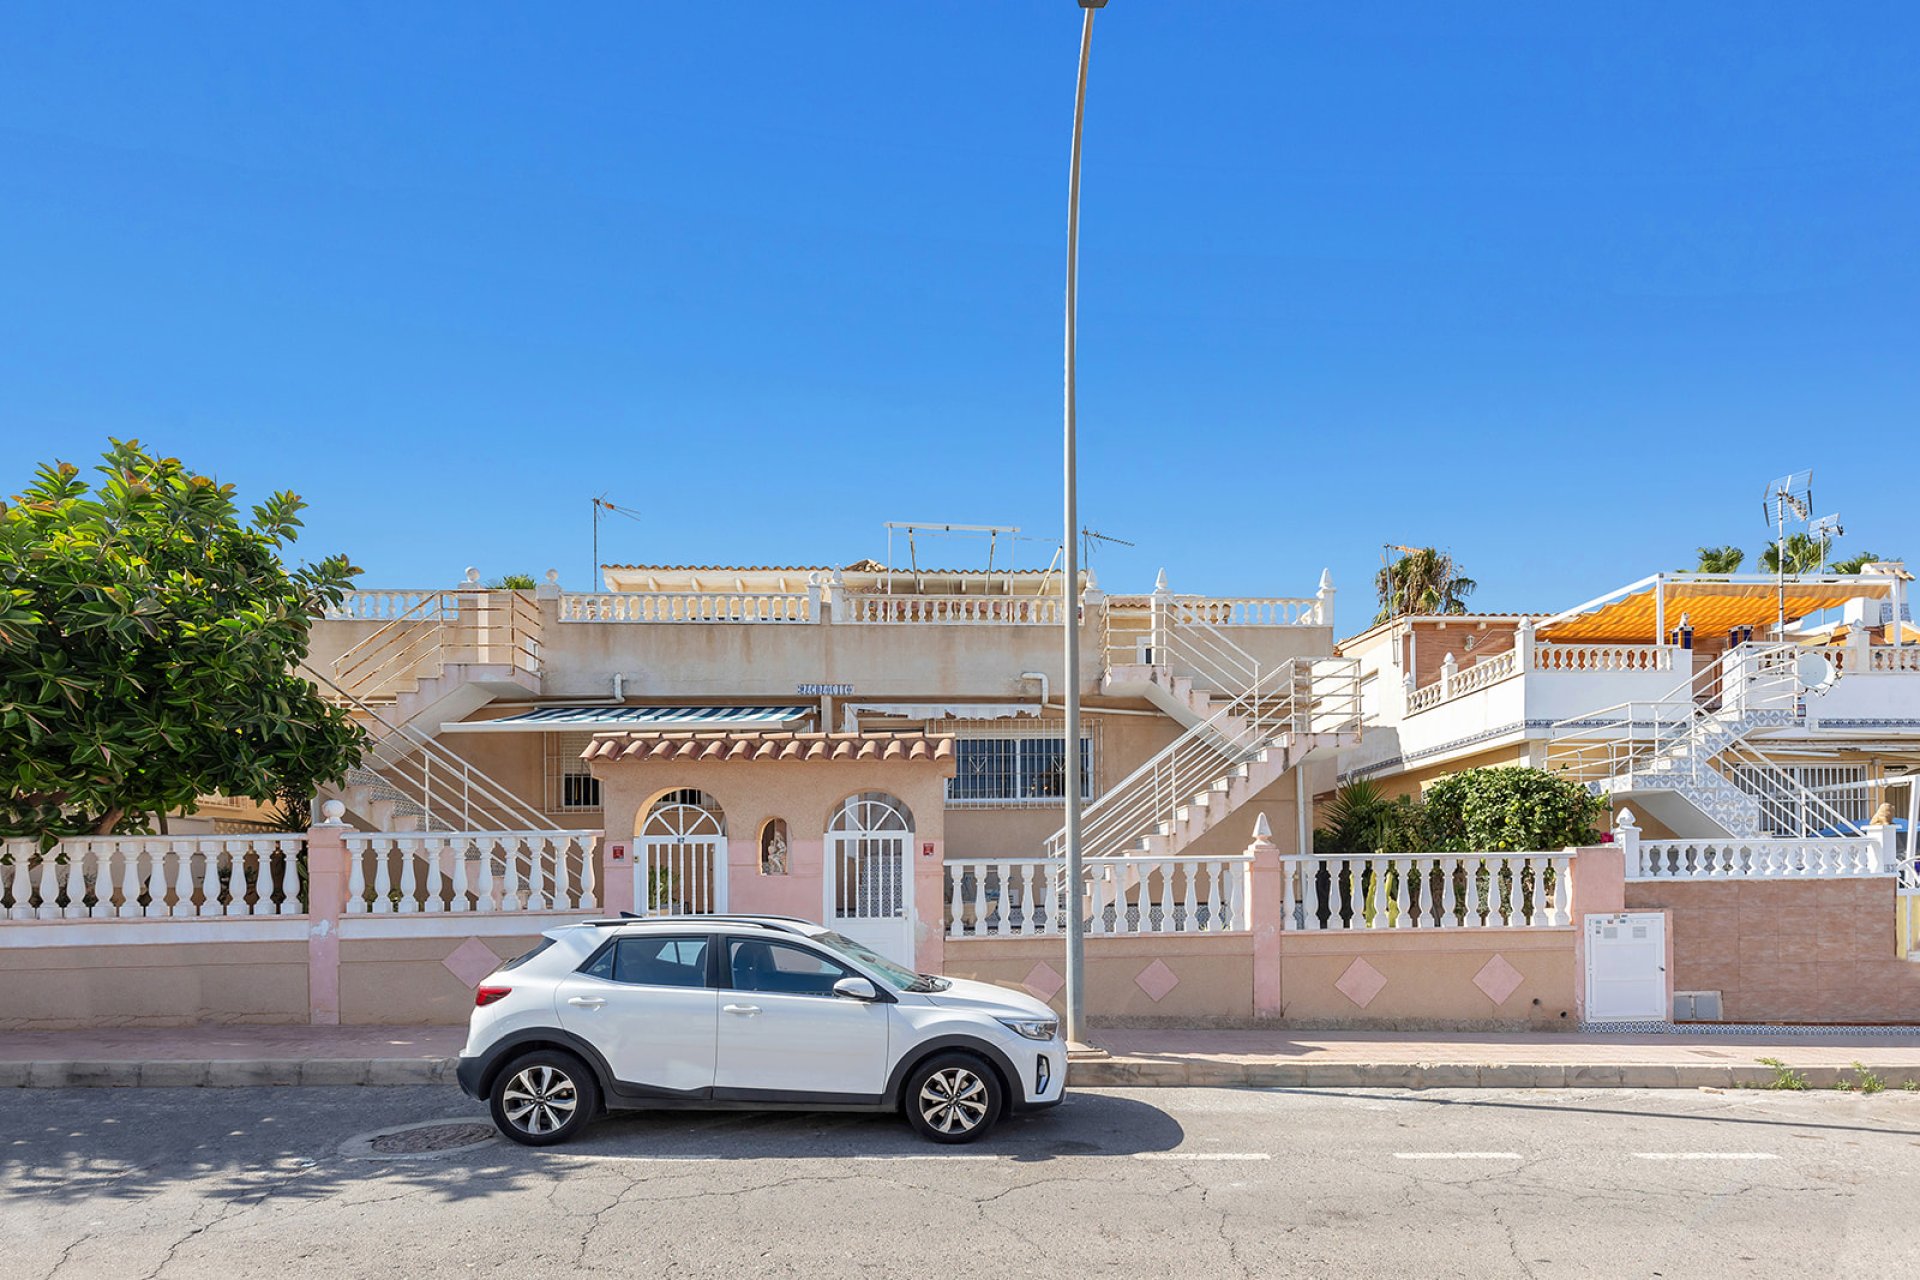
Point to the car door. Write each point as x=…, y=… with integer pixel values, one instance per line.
x=785, y=1035
x=648, y=1005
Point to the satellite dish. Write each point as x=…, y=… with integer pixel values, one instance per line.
x=1813, y=671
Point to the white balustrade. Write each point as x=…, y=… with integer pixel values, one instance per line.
x=1458, y=682
x=1250, y=611
x=383, y=606
x=1758, y=858
x=1427, y=891
x=1892, y=658
x=939, y=610
x=399, y=873
x=686, y=606
x=1603, y=657
x=1121, y=897
x=149, y=877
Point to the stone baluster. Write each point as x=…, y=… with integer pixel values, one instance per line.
x=291, y=849
x=382, y=847
x=356, y=874
x=182, y=892
x=76, y=885
x=49, y=908
x=509, y=851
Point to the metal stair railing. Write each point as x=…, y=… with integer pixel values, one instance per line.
x=1302, y=695
x=443, y=627
x=439, y=785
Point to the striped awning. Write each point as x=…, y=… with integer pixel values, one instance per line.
x=609, y=718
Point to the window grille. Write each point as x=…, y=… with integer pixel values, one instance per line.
x=571, y=786
x=997, y=765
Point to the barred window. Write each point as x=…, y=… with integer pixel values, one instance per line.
x=571, y=786
x=1016, y=768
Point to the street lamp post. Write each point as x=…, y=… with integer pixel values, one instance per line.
x=1076, y=928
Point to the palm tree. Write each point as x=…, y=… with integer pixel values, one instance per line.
x=512, y=582
x=1720, y=560
x=1853, y=564
x=1423, y=580
x=1804, y=554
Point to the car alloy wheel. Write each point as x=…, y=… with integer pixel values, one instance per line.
x=544, y=1097
x=540, y=1100
x=954, y=1101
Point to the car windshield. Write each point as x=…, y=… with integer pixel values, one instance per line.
x=900, y=976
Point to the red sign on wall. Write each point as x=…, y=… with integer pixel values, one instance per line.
x=616, y=853
x=926, y=850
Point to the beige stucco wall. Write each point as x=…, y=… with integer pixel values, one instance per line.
x=1788, y=950
x=1215, y=974
x=152, y=984
x=405, y=982
x=1429, y=978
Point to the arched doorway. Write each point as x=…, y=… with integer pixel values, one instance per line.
x=869, y=880
x=680, y=862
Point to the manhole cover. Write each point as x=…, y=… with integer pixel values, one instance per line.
x=434, y=1137
x=423, y=1140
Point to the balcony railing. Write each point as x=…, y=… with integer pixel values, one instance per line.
x=949, y=609
x=686, y=606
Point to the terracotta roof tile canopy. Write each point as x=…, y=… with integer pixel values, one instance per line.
x=610, y=748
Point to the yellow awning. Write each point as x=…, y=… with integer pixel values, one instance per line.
x=1713, y=608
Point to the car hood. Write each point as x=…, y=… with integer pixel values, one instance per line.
x=1002, y=1002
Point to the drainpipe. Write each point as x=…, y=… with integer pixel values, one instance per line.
x=1041, y=676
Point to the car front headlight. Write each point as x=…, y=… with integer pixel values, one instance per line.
x=1032, y=1028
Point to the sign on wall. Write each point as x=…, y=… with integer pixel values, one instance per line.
x=824, y=690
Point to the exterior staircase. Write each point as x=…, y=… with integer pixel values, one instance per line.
x=440, y=660
x=1679, y=757
x=1245, y=725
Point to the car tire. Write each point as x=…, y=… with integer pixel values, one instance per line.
x=953, y=1097
x=543, y=1097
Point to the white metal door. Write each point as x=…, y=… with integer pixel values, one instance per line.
x=869, y=880
x=1627, y=968
x=680, y=863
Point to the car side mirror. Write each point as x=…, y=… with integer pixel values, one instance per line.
x=855, y=989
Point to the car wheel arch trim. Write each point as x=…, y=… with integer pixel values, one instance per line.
x=501, y=1054
x=1010, y=1081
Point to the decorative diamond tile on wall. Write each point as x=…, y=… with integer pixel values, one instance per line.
x=1044, y=981
x=1360, y=983
x=1157, y=980
x=1498, y=979
x=471, y=961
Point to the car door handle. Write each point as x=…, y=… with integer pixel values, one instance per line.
x=747, y=1009
x=588, y=1002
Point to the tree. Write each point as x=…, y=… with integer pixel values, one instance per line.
x=149, y=640
x=1422, y=581
x=1804, y=554
x=1854, y=564
x=1720, y=560
x=1509, y=809
x=512, y=582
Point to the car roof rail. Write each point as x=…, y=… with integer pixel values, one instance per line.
x=771, y=922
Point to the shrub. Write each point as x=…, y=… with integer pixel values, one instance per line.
x=1508, y=809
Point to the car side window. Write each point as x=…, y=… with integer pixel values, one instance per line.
x=779, y=968
x=652, y=962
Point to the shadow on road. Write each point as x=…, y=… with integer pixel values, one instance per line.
x=69, y=1145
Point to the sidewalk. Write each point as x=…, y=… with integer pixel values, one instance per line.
x=250, y=1055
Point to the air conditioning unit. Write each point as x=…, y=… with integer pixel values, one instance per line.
x=1697, y=1006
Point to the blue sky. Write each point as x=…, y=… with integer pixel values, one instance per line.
x=1557, y=288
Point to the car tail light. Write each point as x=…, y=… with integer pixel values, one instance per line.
x=487, y=995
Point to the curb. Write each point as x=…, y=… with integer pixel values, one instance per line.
x=1201, y=1073
x=1102, y=1073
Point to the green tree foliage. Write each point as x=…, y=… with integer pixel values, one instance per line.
x=1720, y=560
x=1499, y=810
x=1422, y=581
x=512, y=582
x=1803, y=553
x=1503, y=810
x=1854, y=564
x=149, y=640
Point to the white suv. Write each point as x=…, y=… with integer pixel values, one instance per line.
x=747, y=1011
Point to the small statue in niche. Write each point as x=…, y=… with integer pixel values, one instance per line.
x=773, y=848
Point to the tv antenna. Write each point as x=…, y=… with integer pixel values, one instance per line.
x=600, y=504
x=1090, y=536
x=1826, y=528
x=1788, y=500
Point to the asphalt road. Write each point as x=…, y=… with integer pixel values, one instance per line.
x=1174, y=1182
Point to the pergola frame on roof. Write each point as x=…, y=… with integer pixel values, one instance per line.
x=1868, y=584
